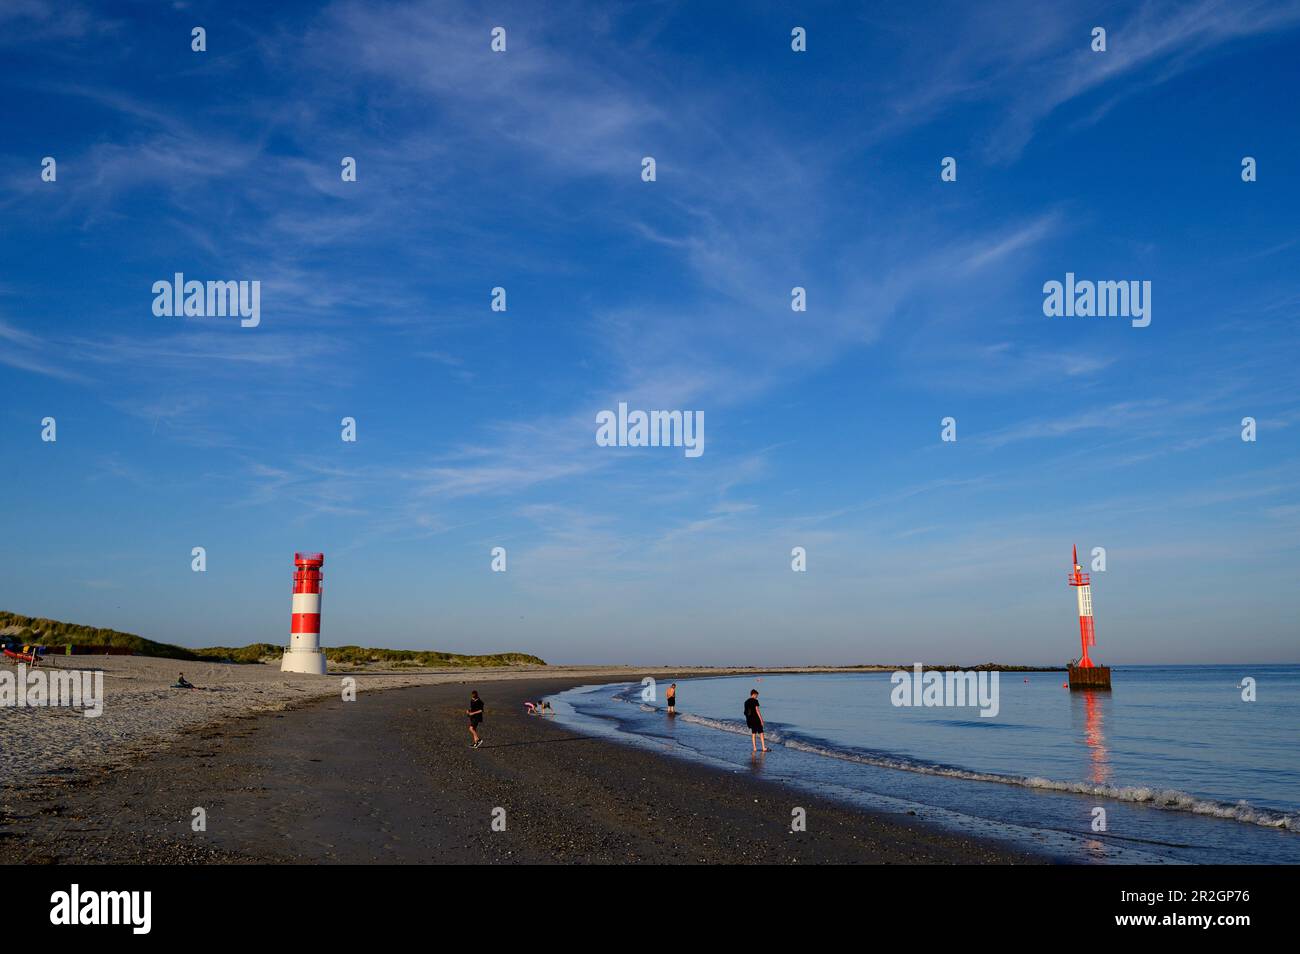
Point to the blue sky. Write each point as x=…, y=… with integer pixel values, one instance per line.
x=774, y=169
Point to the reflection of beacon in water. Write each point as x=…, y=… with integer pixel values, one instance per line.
x=1094, y=737
x=303, y=654
x=1086, y=674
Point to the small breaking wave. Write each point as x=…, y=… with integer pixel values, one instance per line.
x=1151, y=796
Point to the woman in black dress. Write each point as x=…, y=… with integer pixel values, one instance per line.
x=754, y=719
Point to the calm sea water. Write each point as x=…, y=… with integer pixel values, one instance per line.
x=1185, y=770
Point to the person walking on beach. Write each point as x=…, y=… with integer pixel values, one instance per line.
x=754, y=719
x=672, y=699
x=475, y=713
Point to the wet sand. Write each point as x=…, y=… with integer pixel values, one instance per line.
x=143, y=712
x=390, y=778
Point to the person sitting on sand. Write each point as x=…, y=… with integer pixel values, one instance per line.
x=475, y=713
x=754, y=719
x=182, y=683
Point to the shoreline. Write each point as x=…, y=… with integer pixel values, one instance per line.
x=143, y=714
x=293, y=786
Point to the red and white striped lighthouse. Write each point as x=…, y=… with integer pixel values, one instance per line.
x=1085, y=674
x=303, y=654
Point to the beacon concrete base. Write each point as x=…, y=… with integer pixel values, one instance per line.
x=308, y=661
x=1093, y=677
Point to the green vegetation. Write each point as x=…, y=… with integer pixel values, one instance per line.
x=50, y=632
x=356, y=655
x=252, y=653
x=362, y=656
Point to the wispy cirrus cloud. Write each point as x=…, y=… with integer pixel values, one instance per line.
x=24, y=351
x=1033, y=59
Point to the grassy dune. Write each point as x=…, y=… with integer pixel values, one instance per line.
x=51, y=632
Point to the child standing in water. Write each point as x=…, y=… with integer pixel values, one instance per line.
x=672, y=699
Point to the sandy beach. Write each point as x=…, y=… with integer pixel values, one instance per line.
x=285, y=771
x=142, y=713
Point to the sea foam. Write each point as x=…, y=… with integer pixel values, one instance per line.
x=1165, y=799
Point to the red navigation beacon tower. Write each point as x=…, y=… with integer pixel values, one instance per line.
x=1085, y=674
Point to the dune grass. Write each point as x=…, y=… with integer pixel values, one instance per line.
x=54, y=633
